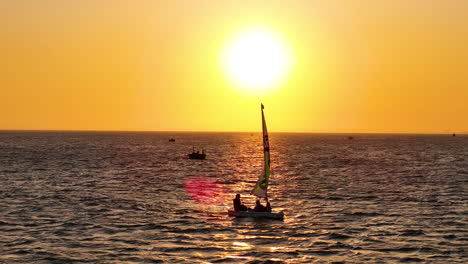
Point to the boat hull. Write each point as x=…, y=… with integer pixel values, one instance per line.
x=252, y=214
x=196, y=156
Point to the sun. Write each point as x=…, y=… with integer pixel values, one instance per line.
x=256, y=59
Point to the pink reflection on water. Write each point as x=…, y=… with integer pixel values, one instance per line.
x=204, y=190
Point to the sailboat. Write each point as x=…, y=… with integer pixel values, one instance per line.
x=261, y=187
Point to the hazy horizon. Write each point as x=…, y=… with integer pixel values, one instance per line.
x=256, y=131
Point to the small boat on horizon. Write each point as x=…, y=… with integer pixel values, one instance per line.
x=197, y=155
x=172, y=140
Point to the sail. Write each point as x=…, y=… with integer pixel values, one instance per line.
x=261, y=187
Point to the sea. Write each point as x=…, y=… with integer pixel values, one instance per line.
x=135, y=197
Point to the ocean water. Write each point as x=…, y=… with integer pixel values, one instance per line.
x=119, y=197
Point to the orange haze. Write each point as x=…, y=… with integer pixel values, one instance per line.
x=360, y=66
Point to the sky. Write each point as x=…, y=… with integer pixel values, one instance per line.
x=396, y=66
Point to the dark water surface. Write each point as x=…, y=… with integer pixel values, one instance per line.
x=76, y=197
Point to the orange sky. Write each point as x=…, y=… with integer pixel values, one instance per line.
x=396, y=66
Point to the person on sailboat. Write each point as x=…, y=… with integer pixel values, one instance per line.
x=259, y=207
x=238, y=206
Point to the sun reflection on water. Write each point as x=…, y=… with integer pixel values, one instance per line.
x=273, y=249
x=241, y=245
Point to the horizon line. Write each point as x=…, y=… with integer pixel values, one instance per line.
x=213, y=131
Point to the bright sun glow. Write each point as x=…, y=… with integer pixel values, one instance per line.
x=256, y=59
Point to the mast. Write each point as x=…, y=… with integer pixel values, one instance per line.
x=260, y=189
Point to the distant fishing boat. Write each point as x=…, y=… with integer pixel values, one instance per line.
x=454, y=135
x=197, y=155
x=261, y=187
x=172, y=140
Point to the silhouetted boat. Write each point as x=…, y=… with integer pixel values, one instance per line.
x=260, y=188
x=172, y=140
x=197, y=155
x=253, y=214
x=350, y=137
x=454, y=135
